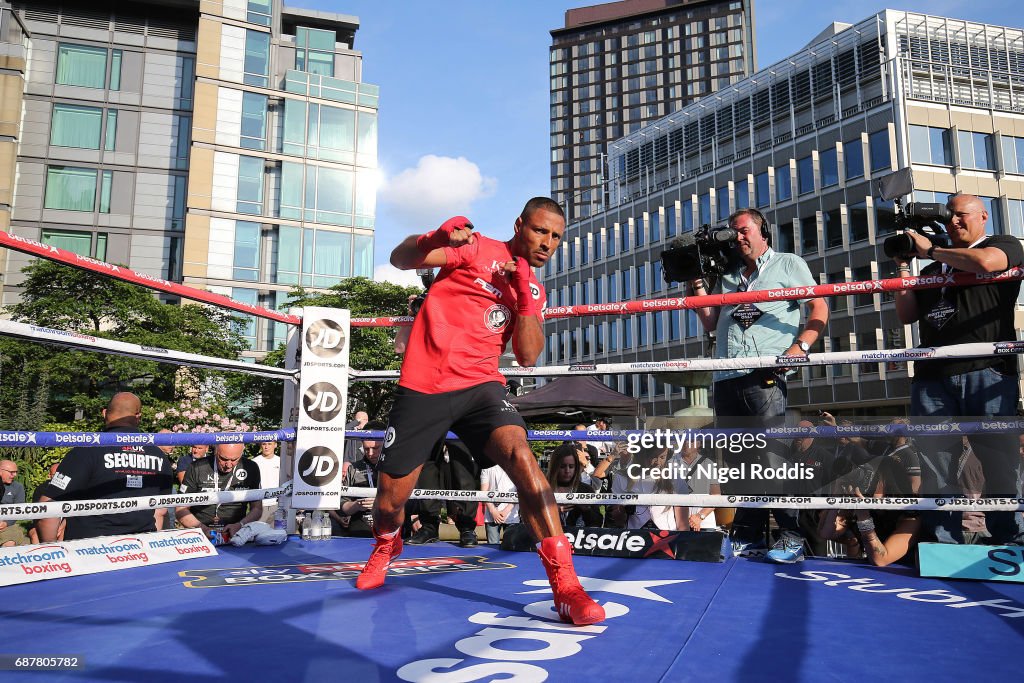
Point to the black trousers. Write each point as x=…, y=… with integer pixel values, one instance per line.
x=459, y=473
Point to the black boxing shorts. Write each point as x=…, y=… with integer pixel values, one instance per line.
x=418, y=421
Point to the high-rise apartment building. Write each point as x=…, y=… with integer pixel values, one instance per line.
x=227, y=144
x=618, y=66
x=803, y=140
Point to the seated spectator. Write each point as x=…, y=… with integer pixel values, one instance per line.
x=227, y=470
x=354, y=517
x=90, y=472
x=11, y=492
x=637, y=479
x=499, y=515
x=699, y=480
x=33, y=532
x=269, y=463
x=885, y=536
x=196, y=452
x=564, y=471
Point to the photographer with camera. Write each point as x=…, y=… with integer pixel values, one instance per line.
x=965, y=388
x=757, y=398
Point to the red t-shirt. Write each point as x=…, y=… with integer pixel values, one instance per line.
x=465, y=321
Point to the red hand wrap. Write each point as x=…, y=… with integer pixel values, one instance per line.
x=525, y=303
x=440, y=238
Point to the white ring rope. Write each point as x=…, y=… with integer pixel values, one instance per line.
x=974, y=350
x=85, y=342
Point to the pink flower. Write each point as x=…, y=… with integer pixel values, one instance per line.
x=159, y=416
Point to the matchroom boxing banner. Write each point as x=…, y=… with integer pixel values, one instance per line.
x=26, y=563
x=322, y=401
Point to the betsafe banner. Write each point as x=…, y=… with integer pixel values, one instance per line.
x=695, y=546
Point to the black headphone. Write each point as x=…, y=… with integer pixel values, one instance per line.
x=766, y=231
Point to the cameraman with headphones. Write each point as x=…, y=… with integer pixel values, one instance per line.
x=757, y=398
x=970, y=388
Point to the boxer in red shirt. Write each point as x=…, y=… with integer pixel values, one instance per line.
x=485, y=295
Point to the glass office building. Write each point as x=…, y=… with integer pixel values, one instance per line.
x=618, y=66
x=803, y=140
x=228, y=145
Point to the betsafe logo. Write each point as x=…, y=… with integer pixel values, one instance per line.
x=322, y=401
x=318, y=466
x=325, y=338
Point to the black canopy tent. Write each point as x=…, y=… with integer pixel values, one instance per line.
x=572, y=398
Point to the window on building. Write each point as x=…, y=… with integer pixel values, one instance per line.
x=183, y=140
x=866, y=341
x=641, y=329
x=783, y=183
x=995, y=225
x=86, y=66
x=624, y=281
x=639, y=232
x=839, y=345
x=314, y=51
x=761, y=192
x=610, y=287
x=857, y=215
x=853, y=159
x=319, y=193
x=78, y=242
x=704, y=206
x=1015, y=221
x=930, y=145
x=833, y=228
x=809, y=235
x=654, y=227
x=250, y=185
x=670, y=221
x=247, y=251
x=613, y=335
x=254, y=121
x=658, y=320
x=674, y=328
x=73, y=126
x=609, y=241
x=623, y=237
x=256, y=65
x=260, y=12
x=878, y=147
x=828, y=166
x=1013, y=154
x=860, y=274
x=785, y=244
x=687, y=215
x=836, y=302
x=976, y=150
x=885, y=218
x=251, y=297
x=178, y=202
x=641, y=280
x=742, y=191
x=805, y=175
x=77, y=189
x=722, y=200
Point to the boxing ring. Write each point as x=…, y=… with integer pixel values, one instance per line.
x=292, y=613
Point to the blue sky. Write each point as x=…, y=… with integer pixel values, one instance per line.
x=464, y=96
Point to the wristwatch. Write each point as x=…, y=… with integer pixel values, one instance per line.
x=804, y=346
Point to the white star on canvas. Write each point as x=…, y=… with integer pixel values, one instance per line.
x=636, y=589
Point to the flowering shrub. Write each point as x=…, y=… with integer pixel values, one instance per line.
x=189, y=417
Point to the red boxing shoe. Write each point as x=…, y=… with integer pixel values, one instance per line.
x=573, y=604
x=376, y=568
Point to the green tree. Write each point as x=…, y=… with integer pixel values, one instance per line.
x=71, y=382
x=371, y=348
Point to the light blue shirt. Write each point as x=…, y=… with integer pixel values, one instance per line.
x=776, y=330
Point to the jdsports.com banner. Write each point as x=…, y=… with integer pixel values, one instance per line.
x=323, y=398
x=27, y=563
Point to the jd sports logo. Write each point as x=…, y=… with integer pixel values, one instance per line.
x=322, y=402
x=325, y=338
x=318, y=466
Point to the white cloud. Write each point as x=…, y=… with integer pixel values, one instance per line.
x=388, y=273
x=435, y=189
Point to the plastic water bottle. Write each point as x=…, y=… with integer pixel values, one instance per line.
x=315, y=525
x=279, y=521
x=307, y=519
x=325, y=533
